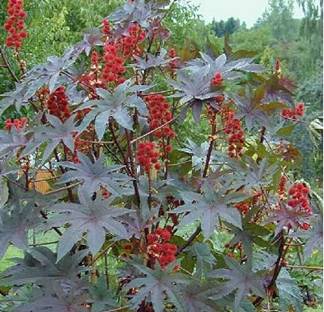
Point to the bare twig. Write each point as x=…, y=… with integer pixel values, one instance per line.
x=65, y=188
x=305, y=267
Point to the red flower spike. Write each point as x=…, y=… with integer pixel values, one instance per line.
x=106, y=27
x=129, y=44
x=160, y=114
x=233, y=128
x=114, y=65
x=299, y=200
x=58, y=104
x=147, y=156
x=15, y=24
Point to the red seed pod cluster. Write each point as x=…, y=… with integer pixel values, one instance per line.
x=95, y=58
x=233, y=128
x=148, y=156
x=15, y=24
x=159, y=248
x=105, y=193
x=91, y=81
x=217, y=79
x=24, y=164
x=243, y=207
x=282, y=186
x=58, y=104
x=299, y=198
x=219, y=98
x=18, y=123
x=211, y=115
x=160, y=113
x=174, y=63
x=294, y=113
x=43, y=94
x=299, y=201
x=129, y=43
x=114, y=65
x=106, y=27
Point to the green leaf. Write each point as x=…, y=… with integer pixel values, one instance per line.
x=285, y=131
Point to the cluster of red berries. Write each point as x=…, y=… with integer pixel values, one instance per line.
x=18, y=123
x=148, y=156
x=58, y=104
x=114, y=65
x=217, y=79
x=106, y=27
x=159, y=110
x=233, y=128
x=129, y=43
x=159, y=248
x=245, y=206
x=299, y=197
x=299, y=201
x=294, y=113
x=15, y=24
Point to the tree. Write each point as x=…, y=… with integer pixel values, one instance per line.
x=228, y=27
x=280, y=17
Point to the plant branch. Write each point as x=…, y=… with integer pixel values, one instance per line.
x=7, y=65
x=189, y=241
x=152, y=131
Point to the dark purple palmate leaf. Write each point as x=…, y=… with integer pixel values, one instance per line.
x=40, y=266
x=221, y=64
x=251, y=112
x=114, y=105
x=20, y=213
x=286, y=217
x=209, y=208
x=138, y=11
x=250, y=173
x=313, y=236
x=241, y=279
x=196, y=297
x=96, y=218
x=289, y=292
x=55, y=133
x=198, y=154
x=57, y=297
x=95, y=175
x=14, y=227
x=12, y=141
x=152, y=60
x=156, y=286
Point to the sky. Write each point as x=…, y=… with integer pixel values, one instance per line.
x=246, y=10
